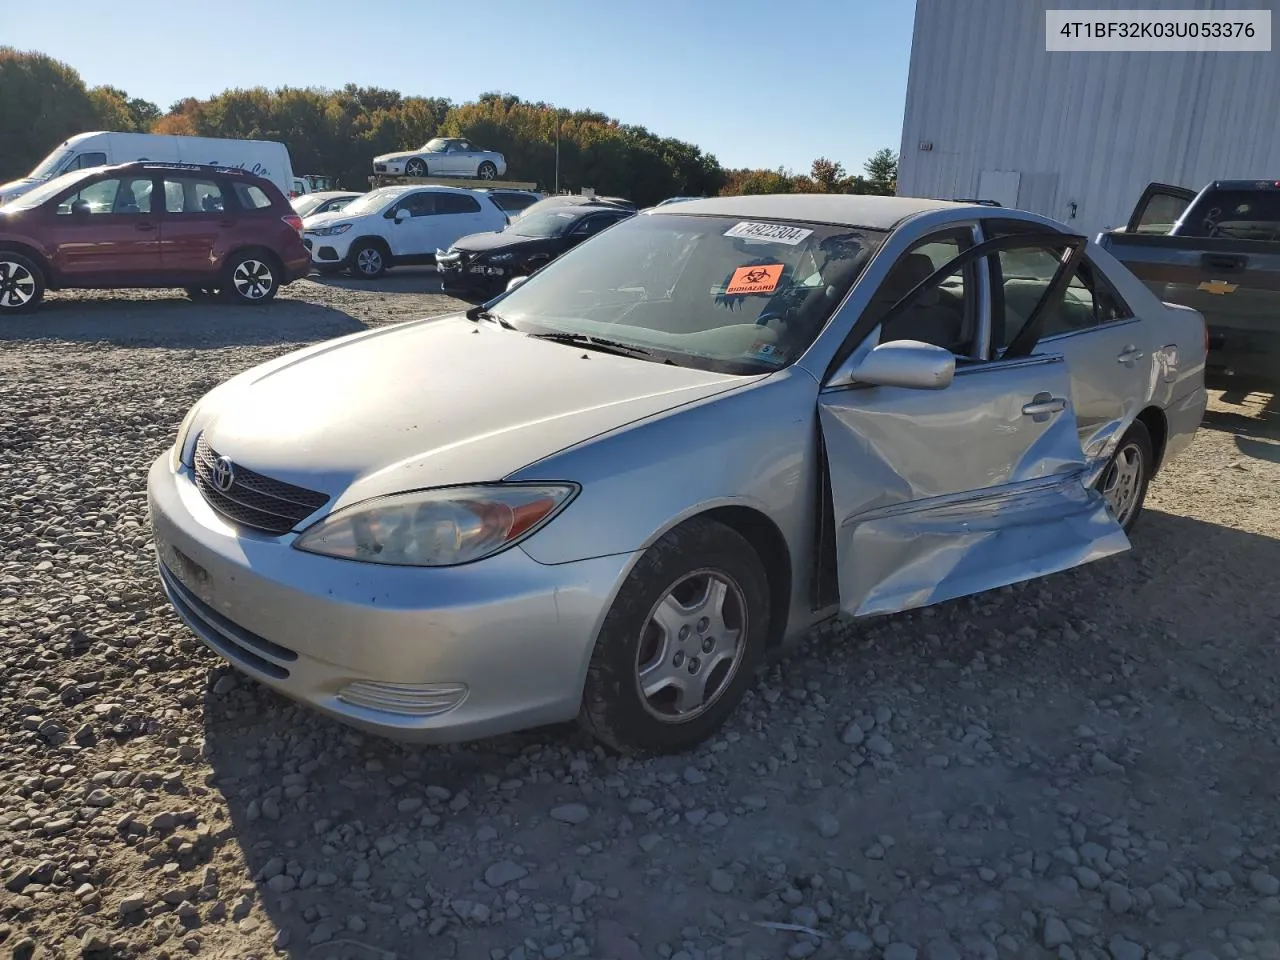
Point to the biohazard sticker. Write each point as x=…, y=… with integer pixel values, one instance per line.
x=768, y=232
x=763, y=279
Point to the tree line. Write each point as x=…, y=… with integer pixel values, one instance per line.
x=337, y=133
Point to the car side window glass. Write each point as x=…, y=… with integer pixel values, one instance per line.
x=85, y=160
x=1025, y=275
x=456, y=203
x=421, y=204
x=251, y=196
x=182, y=195
x=944, y=315
x=96, y=198
x=1161, y=213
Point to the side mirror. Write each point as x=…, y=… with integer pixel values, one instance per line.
x=402, y=215
x=900, y=363
x=515, y=282
x=80, y=208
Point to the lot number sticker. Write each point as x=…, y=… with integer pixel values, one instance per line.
x=755, y=279
x=770, y=232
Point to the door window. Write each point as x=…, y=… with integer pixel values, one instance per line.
x=128, y=196
x=86, y=160
x=945, y=315
x=1025, y=275
x=183, y=195
x=418, y=204
x=456, y=203
x=251, y=196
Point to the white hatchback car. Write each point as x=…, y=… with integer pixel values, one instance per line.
x=397, y=225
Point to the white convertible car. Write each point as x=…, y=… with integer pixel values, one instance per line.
x=443, y=157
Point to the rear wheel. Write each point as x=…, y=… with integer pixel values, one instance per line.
x=416, y=167
x=681, y=643
x=487, y=171
x=252, y=277
x=1123, y=483
x=368, y=260
x=21, y=283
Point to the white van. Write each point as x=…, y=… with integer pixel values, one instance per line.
x=266, y=158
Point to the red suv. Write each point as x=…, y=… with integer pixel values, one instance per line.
x=150, y=225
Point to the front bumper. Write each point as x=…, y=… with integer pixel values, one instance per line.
x=1183, y=418
x=428, y=655
x=389, y=167
x=456, y=272
x=327, y=251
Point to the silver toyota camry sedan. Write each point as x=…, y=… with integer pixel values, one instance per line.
x=610, y=492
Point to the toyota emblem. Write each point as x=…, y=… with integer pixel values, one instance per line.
x=224, y=474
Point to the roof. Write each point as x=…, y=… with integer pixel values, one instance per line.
x=851, y=210
x=401, y=188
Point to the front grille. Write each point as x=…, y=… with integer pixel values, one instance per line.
x=254, y=500
x=379, y=168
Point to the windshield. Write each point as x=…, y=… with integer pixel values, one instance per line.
x=718, y=293
x=550, y=223
x=372, y=201
x=38, y=195
x=49, y=164
x=435, y=146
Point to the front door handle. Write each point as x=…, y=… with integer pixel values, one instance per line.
x=1042, y=405
x=1129, y=355
x=144, y=226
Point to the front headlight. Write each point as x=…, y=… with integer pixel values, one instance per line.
x=444, y=527
x=500, y=257
x=180, y=442
x=330, y=231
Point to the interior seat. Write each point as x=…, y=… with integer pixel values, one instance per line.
x=932, y=318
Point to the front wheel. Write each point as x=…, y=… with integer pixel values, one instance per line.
x=416, y=167
x=368, y=261
x=1124, y=481
x=678, y=649
x=21, y=283
x=487, y=171
x=251, y=278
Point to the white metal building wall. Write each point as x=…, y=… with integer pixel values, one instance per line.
x=1003, y=114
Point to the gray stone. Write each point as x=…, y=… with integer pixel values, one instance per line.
x=857, y=942
x=721, y=881
x=940, y=948
x=281, y=883
x=853, y=735
x=1264, y=884
x=1101, y=763
x=133, y=902
x=571, y=813
x=879, y=745
x=1087, y=877
x=504, y=872
x=1119, y=900
x=899, y=951
x=693, y=775
x=1054, y=933
x=1122, y=949
x=826, y=824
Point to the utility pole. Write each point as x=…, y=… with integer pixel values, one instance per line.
x=557, y=151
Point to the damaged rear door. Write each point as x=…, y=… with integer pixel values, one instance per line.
x=971, y=483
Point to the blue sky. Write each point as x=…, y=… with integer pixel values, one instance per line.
x=756, y=83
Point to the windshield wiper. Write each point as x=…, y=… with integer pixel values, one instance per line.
x=603, y=346
x=480, y=313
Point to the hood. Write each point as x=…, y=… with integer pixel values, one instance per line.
x=324, y=219
x=498, y=239
x=400, y=155
x=436, y=402
x=16, y=188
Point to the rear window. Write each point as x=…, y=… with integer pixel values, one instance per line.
x=456, y=203
x=512, y=201
x=252, y=197
x=1235, y=215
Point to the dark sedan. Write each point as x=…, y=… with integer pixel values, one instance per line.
x=484, y=263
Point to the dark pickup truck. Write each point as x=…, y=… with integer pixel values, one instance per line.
x=1217, y=251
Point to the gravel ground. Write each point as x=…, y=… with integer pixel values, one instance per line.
x=1081, y=767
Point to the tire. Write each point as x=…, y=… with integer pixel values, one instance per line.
x=676, y=574
x=252, y=277
x=368, y=260
x=416, y=167
x=1124, y=481
x=22, y=283
x=487, y=171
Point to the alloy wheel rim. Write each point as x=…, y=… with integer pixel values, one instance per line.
x=1122, y=481
x=252, y=279
x=415, y=168
x=17, y=284
x=369, y=261
x=691, y=646
x=487, y=172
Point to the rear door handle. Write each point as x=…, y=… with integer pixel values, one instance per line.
x=1043, y=404
x=1129, y=355
x=1226, y=262
x=226, y=223
x=144, y=226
